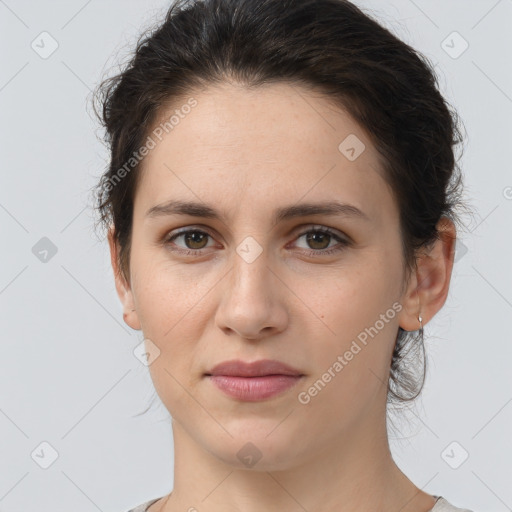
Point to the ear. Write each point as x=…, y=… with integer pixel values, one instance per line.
x=122, y=286
x=429, y=285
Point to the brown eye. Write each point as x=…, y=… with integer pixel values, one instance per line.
x=194, y=240
x=318, y=239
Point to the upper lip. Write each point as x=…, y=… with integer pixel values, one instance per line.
x=239, y=368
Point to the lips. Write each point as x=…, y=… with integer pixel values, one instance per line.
x=264, y=367
x=256, y=381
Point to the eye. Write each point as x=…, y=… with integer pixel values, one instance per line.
x=194, y=239
x=319, y=239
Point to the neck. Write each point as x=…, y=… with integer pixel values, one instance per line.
x=345, y=476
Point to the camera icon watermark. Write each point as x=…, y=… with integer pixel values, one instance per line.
x=146, y=352
x=44, y=250
x=249, y=454
x=455, y=455
x=351, y=147
x=454, y=45
x=44, y=455
x=461, y=250
x=44, y=45
x=249, y=249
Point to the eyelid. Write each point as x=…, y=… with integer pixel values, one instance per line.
x=173, y=234
x=297, y=231
x=306, y=228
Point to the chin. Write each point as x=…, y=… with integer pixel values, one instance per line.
x=256, y=450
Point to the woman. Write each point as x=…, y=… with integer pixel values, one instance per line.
x=281, y=209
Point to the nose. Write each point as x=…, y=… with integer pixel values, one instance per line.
x=253, y=300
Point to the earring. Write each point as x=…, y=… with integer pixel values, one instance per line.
x=421, y=322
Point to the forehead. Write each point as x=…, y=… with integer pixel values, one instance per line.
x=277, y=143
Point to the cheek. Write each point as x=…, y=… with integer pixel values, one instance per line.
x=168, y=295
x=358, y=312
x=169, y=317
x=349, y=300
x=168, y=305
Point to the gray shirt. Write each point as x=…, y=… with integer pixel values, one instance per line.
x=441, y=506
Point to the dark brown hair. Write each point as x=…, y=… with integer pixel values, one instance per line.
x=329, y=46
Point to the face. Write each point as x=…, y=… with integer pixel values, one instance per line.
x=245, y=284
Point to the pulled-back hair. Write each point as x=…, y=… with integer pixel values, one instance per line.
x=327, y=46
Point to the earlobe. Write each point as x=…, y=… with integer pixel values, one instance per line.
x=123, y=289
x=429, y=286
x=411, y=307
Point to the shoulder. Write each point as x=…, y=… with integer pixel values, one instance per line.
x=442, y=505
x=144, y=506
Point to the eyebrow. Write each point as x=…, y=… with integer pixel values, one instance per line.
x=197, y=209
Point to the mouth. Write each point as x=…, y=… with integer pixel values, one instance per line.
x=255, y=381
x=262, y=368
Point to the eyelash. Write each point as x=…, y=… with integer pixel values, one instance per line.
x=311, y=252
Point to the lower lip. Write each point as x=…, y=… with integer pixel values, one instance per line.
x=252, y=389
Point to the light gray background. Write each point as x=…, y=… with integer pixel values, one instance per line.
x=68, y=376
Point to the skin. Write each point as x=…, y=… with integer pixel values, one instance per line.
x=247, y=153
